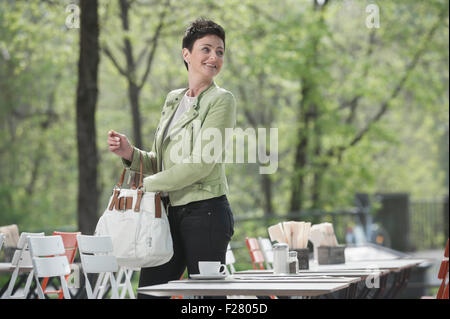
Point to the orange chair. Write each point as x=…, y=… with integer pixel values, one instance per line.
x=255, y=253
x=70, y=245
x=443, y=274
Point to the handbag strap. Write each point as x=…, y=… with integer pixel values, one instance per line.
x=117, y=190
x=122, y=177
x=141, y=192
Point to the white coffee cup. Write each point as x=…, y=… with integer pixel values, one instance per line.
x=211, y=268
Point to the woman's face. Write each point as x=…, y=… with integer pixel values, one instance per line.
x=206, y=58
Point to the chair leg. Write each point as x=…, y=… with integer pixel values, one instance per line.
x=129, y=288
x=114, y=292
x=12, y=282
x=39, y=288
x=28, y=284
x=90, y=295
x=101, y=285
x=64, y=287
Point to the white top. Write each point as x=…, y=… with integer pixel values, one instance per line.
x=185, y=104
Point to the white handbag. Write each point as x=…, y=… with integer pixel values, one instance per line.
x=138, y=225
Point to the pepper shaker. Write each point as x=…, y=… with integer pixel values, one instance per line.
x=293, y=262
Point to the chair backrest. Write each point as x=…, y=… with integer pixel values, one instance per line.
x=48, y=257
x=97, y=245
x=70, y=244
x=47, y=253
x=95, y=255
x=255, y=252
x=22, y=256
x=94, y=244
x=266, y=248
x=24, y=237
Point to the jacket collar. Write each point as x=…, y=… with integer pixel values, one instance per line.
x=177, y=98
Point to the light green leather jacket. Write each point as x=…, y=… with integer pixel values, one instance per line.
x=190, y=179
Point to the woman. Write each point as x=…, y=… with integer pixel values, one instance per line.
x=194, y=191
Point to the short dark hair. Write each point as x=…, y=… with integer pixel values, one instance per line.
x=198, y=29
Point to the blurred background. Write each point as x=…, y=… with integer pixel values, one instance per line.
x=357, y=89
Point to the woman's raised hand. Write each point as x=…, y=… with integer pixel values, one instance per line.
x=119, y=145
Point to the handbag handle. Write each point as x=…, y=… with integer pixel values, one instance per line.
x=141, y=192
x=117, y=190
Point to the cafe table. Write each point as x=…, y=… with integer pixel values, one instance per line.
x=374, y=274
x=394, y=277
x=245, y=285
x=8, y=267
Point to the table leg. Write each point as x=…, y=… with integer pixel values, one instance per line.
x=401, y=282
x=350, y=292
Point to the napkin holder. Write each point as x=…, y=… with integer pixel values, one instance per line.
x=302, y=257
x=328, y=255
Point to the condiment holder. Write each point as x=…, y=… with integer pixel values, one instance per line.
x=328, y=255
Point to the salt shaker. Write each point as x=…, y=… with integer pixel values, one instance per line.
x=293, y=262
x=280, y=258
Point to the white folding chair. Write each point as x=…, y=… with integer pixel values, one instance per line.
x=20, y=260
x=96, y=259
x=266, y=247
x=2, y=239
x=49, y=260
x=125, y=286
x=230, y=260
x=123, y=280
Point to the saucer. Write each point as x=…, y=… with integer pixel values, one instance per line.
x=199, y=276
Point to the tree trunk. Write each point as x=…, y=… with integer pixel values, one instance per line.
x=318, y=172
x=307, y=116
x=87, y=91
x=266, y=189
x=301, y=150
x=133, y=93
x=133, y=88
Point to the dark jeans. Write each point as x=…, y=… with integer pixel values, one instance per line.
x=200, y=231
